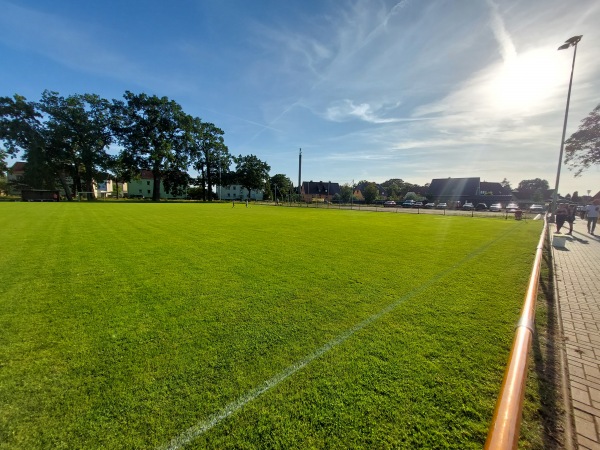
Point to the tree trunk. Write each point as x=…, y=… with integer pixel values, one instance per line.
x=209, y=182
x=65, y=185
x=156, y=188
x=89, y=186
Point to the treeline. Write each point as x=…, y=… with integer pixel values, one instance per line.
x=62, y=138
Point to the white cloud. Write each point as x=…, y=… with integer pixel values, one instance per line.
x=345, y=110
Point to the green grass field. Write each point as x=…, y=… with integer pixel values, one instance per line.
x=161, y=325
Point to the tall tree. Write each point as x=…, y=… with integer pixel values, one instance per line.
x=575, y=198
x=533, y=188
x=281, y=185
x=80, y=128
x=209, y=154
x=251, y=172
x=505, y=184
x=370, y=193
x=583, y=147
x=22, y=129
x=346, y=193
x=153, y=132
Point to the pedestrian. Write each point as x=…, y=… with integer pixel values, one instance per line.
x=571, y=212
x=233, y=203
x=592, y=211
x=561, y=216
x=246, y=203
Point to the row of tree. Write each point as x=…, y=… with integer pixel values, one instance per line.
x=72, y=137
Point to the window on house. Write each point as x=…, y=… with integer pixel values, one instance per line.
x=140, y=191
x=148, y=191
x=147, y=183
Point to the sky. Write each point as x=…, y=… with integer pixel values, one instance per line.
x=368, y=89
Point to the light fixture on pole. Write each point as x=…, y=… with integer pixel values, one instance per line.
x=571, y=42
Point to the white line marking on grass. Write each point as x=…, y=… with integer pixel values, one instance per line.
x=203, y=426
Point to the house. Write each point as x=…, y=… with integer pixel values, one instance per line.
x=314, y=191
x=463, y=190
x=237, y=192
x=15, y=178
x=143, y=186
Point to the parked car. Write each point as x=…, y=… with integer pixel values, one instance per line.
x=442, y=206
x=429, y=205
x=408, y=203
x=389, y=204
x=468, y=206
x=496, y=207
x=480, y=207
x=512, y=207
x=418, y=205
x=537, y=209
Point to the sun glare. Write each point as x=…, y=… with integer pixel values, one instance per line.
x=526, y=80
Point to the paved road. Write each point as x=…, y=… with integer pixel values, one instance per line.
x=577, y=272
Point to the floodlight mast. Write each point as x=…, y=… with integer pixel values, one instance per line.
x=571, y=42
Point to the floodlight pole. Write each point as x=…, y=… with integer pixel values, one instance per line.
x=571, y=42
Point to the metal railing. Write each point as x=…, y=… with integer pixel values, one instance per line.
x=506, y=422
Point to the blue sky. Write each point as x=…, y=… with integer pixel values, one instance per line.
x=369, y=89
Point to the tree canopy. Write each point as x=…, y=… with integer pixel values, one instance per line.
x=370, y=193
x=251, y=172
x=3, y=163
x=281, y=184
x=68, y=139
x=152, y=131
x=23, y=129
x=209, y=155
x=534, y=189
x=583, y=147
x=346, y=193
x=79, y=126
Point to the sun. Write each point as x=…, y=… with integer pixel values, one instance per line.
x=526, y=80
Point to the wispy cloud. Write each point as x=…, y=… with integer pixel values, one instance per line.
x=505, y=43
x=345, y=110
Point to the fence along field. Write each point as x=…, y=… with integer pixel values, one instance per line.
x=207, y=326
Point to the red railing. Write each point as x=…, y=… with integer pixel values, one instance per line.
x=506, y=423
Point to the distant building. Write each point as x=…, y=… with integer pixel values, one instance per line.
x=143, y=187
x=238, y=192
x=15, y=178
x=463, y=190
x=319, y=190
x=108, y=188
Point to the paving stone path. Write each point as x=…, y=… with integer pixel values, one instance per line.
x=577, y=272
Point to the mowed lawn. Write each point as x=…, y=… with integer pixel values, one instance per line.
x=165, y=325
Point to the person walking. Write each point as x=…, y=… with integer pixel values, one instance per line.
x=571, y=212
x=561, y=216
x=592, y=211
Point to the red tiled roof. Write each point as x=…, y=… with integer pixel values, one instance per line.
x=19, y=166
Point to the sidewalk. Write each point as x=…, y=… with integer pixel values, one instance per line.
x=577, y=272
